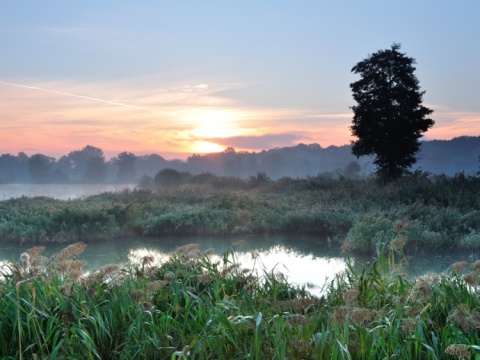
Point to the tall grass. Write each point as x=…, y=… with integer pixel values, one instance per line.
x=436, y=212
x=195, y=305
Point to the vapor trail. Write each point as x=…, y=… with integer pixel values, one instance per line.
x=89, y=98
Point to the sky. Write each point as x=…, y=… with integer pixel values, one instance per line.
x=181, y=77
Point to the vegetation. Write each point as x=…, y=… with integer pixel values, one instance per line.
x=434, y=212
x=196, y=306
x=435, y=156
x=389, y=117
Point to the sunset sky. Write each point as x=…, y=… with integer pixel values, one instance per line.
x=183, y=77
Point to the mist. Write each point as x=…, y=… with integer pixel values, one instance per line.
x=88, y=167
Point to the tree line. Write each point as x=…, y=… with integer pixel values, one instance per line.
x=89, y=165
x=388, y=121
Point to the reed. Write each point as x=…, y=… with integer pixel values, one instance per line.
x=197, y=306
x=431, y=212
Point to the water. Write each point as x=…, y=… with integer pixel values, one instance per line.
x=58, y=191
x=303, y=259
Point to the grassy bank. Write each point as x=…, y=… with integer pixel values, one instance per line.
x=430, y=212
x=196, y=306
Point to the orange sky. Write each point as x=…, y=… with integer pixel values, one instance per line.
x=175, y=122
x=178, y=78
x=55, y=119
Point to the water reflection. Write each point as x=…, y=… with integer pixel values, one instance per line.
x=303, y=259
x=299, y=268
x=137, y=257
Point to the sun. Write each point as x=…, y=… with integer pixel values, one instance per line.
x=215, y=123
x=205, y=147
x=210, y=125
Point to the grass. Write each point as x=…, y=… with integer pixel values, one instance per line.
x=436, y=212
x=194, y=305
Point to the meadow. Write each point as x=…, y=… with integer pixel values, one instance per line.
x=437, y=212
x=195, y=305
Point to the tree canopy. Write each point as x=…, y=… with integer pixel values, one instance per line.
x=389, y=117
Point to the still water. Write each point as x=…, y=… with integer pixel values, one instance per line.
x=303, y=259
x=58, y=191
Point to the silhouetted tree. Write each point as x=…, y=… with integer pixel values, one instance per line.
x=39, y=167
x=96, y=171
x=149, y=164
x=272, y=164
x=167, y=178
x=75, y=163
x=145, y=182
x=126, y=167
x=389, y=118
x=232, y=163
x=59, y=176
x=352, y=170
x=171, y=178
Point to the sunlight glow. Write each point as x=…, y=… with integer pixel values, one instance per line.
x=215, y=123
x=137, y=256
x=204, y=147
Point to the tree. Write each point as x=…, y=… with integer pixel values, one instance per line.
x=75, y=163
x=96, y=170
x=39, y=167
x=171, y=178
x=389, y=118
x=126, y=167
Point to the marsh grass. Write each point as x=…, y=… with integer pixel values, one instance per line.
x=197, y=306
x=436, y=212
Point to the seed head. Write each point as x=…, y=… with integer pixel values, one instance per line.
x=461, y=351
x=458, y=267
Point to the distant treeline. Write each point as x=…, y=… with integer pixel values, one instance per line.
x=89, y=165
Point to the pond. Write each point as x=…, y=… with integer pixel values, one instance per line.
x=303, y=259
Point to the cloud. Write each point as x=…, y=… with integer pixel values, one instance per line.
x=90, y=98
x=331, y=116
x=159, y=115
x=261, y=142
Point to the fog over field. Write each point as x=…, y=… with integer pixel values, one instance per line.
x=58, y=191
x=89, y=166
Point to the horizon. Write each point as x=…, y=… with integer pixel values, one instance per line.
x=109, y=156
x=180, y=79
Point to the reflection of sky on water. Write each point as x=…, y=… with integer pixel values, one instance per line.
x=136, y=256
x=299, y=268
x=303, y=259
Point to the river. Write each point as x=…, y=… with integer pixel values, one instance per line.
x=303, y=259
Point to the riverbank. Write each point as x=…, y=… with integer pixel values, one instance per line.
x=439, y=212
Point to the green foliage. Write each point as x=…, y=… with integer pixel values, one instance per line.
x=435, y=211
x=195, y=305
x=168, y=178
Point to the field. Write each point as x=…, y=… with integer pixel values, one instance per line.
x=439, y=212
x=199, y=306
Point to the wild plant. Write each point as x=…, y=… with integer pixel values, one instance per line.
x=198, y=305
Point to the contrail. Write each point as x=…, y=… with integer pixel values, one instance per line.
x=89, y=98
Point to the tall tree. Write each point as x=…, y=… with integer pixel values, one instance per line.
x=126, y=167
x=389, y=117
x=75, y=163
x=39, y=167
x=96, y=170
